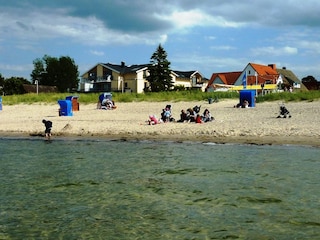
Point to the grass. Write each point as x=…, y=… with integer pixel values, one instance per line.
x=87, y=98
x=290, y=97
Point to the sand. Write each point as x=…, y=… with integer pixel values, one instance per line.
x=258, y=125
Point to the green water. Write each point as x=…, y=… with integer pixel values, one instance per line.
x=90, y=189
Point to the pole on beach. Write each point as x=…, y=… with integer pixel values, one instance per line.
x=37, y=83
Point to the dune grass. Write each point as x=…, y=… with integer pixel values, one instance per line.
x=290, y=97
x=87, y=98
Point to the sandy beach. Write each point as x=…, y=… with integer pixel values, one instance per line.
x=258, y=125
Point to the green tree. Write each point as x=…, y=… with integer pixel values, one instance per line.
x=159, y=69
x=13, y=85
x=60, y=72
x=1, y=84
x=38, y=71
x=311, y=83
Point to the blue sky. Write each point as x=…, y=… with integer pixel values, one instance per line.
x=205, y=35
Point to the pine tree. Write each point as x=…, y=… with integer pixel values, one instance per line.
x=159, y=78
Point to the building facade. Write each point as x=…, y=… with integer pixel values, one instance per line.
x=107, y=77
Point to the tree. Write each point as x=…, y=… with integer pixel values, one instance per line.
x=13, y=85
x=38, y=71
x=159, y=78
x=1, y=84
x=310, y=83
x=309, y=79
x=60, y=72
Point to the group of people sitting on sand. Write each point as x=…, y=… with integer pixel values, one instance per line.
x=189, y=115
x=193, y=115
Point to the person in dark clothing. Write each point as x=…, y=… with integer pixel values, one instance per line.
x=183, y=116
x=48, y=126
x=284, y=112
x=191, y=115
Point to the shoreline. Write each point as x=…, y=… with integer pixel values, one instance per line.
x=256, y=126
x=247, y=140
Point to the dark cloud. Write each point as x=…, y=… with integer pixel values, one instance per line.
x=141, y=15
x=121, y=15
x=22, y=25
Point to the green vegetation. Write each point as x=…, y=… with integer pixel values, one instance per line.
x=291, y=97
x=86, y=98
x=170, y=96
x=159, y=69
x=61, y=72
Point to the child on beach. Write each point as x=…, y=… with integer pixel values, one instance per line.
x=153, y=120
x=48, y=126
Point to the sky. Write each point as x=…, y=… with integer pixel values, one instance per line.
x=210, y=36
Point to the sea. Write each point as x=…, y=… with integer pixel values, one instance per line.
x=116, y=189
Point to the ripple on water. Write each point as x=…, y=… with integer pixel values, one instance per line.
x=151, y=190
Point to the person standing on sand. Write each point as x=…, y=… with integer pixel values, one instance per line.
x=48, y=126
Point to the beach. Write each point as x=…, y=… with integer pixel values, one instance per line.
x=256, y=125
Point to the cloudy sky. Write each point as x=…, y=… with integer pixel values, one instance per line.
x=205, y=35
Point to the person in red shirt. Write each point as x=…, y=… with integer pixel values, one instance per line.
x=198, y=119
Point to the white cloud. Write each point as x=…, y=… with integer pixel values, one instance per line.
x=183, y=20
x=274, y=51
x=208, y=64
x=97, y=53
x=210, y=37
x=44, y=24
x=222, y=48
x=17, y=68
x=312, y=46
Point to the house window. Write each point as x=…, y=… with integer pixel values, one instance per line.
x=92, y=76
x=125, y=85
x=249, y=72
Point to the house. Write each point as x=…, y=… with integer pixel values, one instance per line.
x=189, y=79
x=254, y=76
x=222, y=81
x=290, y=79
x=257, y=74
x=108, y=77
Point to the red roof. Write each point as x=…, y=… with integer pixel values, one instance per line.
x=228, y=78
x=265, y=69
x=265, y=73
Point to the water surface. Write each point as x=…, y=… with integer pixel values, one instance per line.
x=97, y=189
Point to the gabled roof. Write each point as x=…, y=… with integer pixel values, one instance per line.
x=289, y=75
x=228, y=78
x=263, y=70
x=123, y=69
x=265, y=73
x=184, y=74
